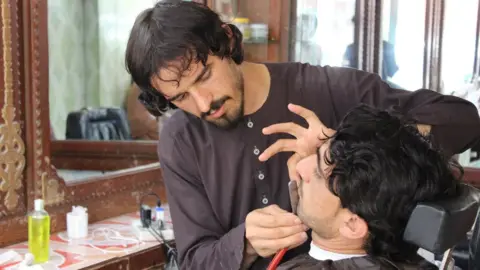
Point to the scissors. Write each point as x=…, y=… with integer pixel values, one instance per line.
x=293, y=192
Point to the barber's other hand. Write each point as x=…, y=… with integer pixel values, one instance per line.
x=306, y=140
x=271, y=229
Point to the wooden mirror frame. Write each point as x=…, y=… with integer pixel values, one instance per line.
x=107, y=156
x=27, y=171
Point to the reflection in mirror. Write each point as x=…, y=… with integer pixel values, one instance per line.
x=458, y=44
x=458, y=57
x=91, y=93
x=227, y=9
x=98, y=126
x=403, y=32
x=80, y=176
x=324, y=33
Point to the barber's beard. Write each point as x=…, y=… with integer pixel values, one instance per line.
x=233, y=114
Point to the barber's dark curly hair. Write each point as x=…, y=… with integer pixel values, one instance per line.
x=175, y=30
x=381, y=168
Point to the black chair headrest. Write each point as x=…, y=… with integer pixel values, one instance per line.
x=439, y=226
x=98, y=124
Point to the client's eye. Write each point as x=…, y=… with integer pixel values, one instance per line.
x=182, y=97
x=179, y=97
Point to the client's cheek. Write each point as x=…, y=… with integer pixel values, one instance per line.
x=305, y=180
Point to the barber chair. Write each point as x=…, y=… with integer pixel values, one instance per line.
x=98, y=124
x=437, y=227
x=474, y=245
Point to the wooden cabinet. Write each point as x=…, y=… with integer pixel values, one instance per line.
x=274, y=13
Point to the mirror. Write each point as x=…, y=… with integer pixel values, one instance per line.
x=459, y=76
x=403, y=43
x=324, y=33
x=91, y=94
x=458, y=44
x=98, y=126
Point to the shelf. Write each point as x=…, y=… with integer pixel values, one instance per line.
x=260, y=42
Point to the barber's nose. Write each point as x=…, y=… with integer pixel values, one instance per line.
x=203, y=99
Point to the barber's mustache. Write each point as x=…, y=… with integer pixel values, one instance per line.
x=215, y=105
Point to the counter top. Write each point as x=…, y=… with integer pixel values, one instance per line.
x=107, y=240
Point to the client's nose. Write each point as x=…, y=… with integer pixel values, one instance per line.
x=306, y=167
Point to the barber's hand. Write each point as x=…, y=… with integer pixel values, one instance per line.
x=271, y=229
x=306, y=141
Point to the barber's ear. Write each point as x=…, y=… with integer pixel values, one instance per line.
x=229, y=33
x=227, y=30
x=354, y=227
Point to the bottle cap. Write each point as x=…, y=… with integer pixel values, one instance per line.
x=38, y=205
x=241, y=20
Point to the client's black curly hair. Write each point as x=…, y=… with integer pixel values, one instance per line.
x=381, y=168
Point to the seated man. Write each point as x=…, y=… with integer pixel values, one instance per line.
x=358, y=191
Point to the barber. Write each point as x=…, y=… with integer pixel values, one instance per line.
x=229, y=202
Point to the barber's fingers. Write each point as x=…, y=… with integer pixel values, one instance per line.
x=272, y=209
x=266, y=247
x=290, y=128
x=271, y=216
x=274, y=233
x=282, y=145
x=258, y=219
x=292, y=166
x=308, y=115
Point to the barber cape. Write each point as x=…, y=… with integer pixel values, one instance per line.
x=319, y=259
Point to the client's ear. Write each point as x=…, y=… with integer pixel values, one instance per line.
x=354, y=227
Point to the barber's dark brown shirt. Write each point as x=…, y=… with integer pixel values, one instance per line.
x=213, y=176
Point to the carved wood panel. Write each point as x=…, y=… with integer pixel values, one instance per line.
x=12, y=146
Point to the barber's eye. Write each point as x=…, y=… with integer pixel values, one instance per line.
x=207, y=75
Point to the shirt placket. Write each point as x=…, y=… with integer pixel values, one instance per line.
x=259, y=169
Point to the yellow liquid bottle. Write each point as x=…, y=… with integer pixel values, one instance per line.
x=39, y=233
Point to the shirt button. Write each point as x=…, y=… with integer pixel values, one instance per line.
x=264, y=200
x=256, y=151
x=261, y=176
x=250, y=124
